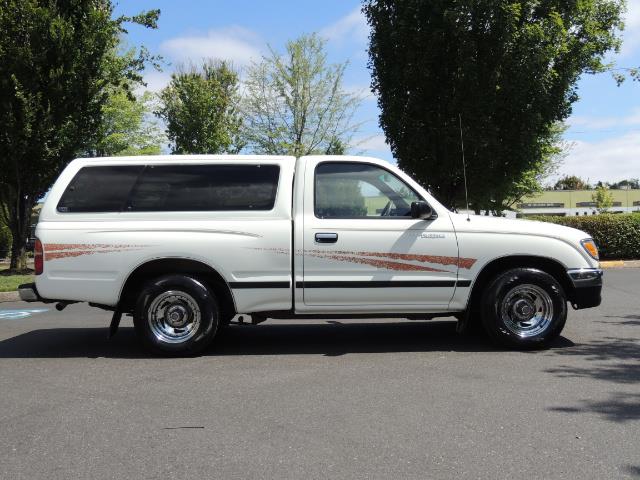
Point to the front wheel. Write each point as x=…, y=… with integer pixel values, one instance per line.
x=176, y=315
x=524, y=308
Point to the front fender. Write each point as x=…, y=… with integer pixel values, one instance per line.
x=524, y=249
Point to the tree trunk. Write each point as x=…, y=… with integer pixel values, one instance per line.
x=18, y=254
x=19, y=225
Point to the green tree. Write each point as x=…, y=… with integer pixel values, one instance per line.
x=628, y=184
x=620, y=74
x=200, y=108
x=553, y=151
x=603, y=199
x=335, y=147
x=5, y=241
x=126, y=127
x=509, y=68
x=56, y=65
x=571, y=182
x=296, y=103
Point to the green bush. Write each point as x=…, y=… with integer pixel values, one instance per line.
x=5, y=241
x=617, y=236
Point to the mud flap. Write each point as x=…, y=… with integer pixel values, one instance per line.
x=467, y=325
x=462, y=327
x=115, y=323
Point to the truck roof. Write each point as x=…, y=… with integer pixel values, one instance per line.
x=179, y=159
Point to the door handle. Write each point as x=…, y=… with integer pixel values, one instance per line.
x=326, y=237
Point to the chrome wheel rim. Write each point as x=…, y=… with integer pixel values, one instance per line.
x=527, y=310
x=174, y=317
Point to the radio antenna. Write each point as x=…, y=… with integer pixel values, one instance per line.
x=464, y=170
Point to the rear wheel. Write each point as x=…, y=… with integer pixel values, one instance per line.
x=176, y=315
x=524, y=308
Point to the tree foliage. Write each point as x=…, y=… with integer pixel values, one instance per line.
x=552, y=153
x=603, y=199
x=296, y=103
x=56, y=67
x=628, y=184
x=508, y=67
x=620, y=75
x=571, y=182
x=200, y=108
x=126, y=127
x=5, y=241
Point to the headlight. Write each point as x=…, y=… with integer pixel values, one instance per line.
x=590, y=246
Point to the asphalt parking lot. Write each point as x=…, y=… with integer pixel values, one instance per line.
x=338, y=399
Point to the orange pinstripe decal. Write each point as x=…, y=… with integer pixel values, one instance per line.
x=54, y=251
x=389, y=261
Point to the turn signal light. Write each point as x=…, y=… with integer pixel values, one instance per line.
x=38, y=257
x=590, y=246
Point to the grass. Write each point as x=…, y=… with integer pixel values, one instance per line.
x=9, y=281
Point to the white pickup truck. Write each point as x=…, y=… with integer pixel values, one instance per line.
x=185, y=243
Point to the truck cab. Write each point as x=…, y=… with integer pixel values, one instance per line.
x=185, y=243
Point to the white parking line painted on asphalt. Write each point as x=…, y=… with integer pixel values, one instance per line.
x=20, y=314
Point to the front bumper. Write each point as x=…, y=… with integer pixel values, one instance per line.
x=587, y=287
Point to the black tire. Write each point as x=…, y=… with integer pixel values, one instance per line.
x=176, y=315
x=508, y=301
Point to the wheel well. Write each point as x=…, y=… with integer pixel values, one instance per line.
x=164, y=266
x=490, y=270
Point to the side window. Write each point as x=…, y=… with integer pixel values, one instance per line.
x=356, y=190
x=171, y=188
x=181, y=188
x=99, y=189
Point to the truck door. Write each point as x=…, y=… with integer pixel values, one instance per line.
x=361, y=249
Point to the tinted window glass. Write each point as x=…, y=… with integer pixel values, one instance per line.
x=356, y=190
x=182, y=188
x=99, y=189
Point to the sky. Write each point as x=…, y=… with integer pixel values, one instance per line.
x=603, y=135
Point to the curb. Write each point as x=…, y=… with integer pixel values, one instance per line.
x=9, y=297
x=620, y=264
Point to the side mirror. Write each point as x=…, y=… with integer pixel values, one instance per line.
x=421, y=210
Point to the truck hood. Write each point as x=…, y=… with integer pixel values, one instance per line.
x=478, y=223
